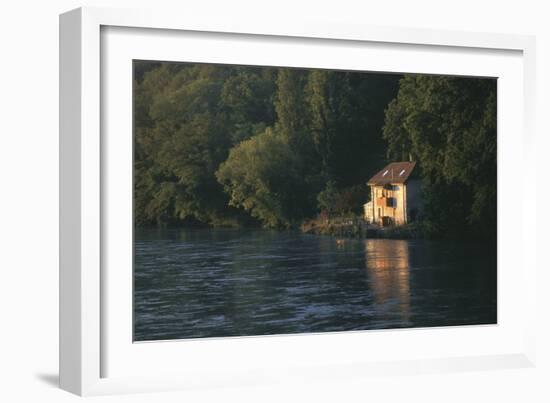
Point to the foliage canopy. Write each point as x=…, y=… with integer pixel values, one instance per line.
x=448, y=125
x=234, y=145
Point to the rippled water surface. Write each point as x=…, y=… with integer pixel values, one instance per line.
x=211, y=283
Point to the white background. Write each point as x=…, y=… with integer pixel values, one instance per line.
x=29, y=201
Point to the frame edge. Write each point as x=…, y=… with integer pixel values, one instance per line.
x=70, y=119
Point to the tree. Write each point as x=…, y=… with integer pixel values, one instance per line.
x=448, y=125
x=291, y=108
x=347, y=115
x=264, y=177
x=191, y=118
x=327, y=198
x=187, y=118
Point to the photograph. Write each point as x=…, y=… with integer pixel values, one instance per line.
x=272, y=200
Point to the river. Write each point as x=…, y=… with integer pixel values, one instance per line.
x=225, y=282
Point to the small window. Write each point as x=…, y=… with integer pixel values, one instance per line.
x=402, y=172
x=385, y=173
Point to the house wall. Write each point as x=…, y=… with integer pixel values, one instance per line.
x=407, y=205
x=368, y=212
x=397, y=211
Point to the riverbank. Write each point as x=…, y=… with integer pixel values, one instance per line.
x=356, y=227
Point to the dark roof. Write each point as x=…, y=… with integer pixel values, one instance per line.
x=395, y=172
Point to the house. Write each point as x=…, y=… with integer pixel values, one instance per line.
x=395, y=195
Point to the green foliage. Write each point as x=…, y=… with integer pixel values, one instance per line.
x=346, y=119
x=290, y=105
x=448, y=125
x=187, y=118
x=283, y=134
x=326, y=199
x=351, y=199
x=234, y=145
x=343, y=202
x=264, y=177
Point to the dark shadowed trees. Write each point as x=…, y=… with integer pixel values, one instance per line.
x=230, y=145
x=448, y=125
x=187, y=118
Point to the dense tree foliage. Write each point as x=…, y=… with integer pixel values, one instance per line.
x=265, y=177
x=187, y=117
x=448, y=125
x=233, y=145
x=217, y=145
x=331, y=122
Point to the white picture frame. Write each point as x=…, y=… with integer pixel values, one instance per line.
x=89, y=335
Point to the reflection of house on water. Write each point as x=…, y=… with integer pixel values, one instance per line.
x=387, y=263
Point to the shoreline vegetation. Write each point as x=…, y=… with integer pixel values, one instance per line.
x=348, y=226
x=287, y=148
x=357, y=227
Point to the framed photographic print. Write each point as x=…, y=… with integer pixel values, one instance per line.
x=257, y=202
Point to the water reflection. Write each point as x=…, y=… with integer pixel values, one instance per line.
x=387, y=263
x=214, y=283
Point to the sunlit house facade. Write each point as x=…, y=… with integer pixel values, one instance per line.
x=395, y=195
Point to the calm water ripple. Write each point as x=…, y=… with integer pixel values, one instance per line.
x=212, y=283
